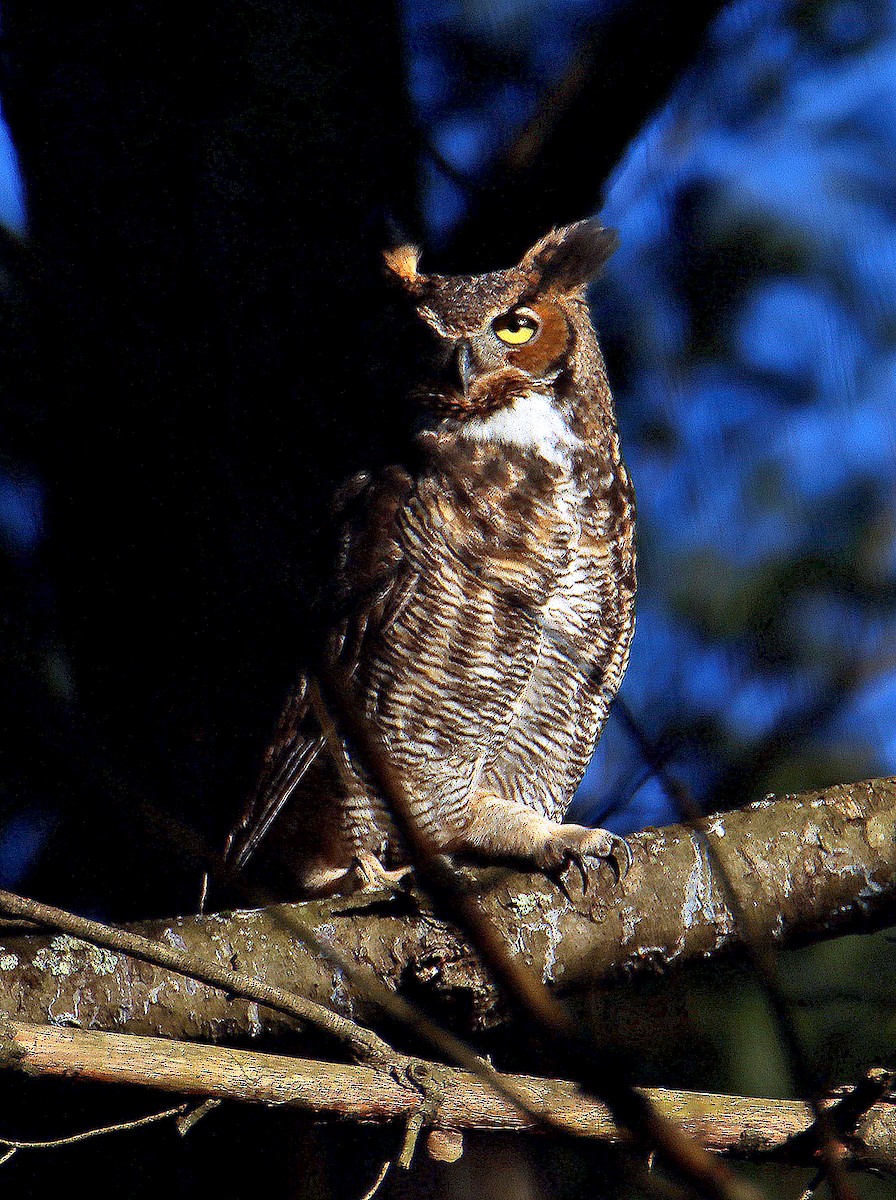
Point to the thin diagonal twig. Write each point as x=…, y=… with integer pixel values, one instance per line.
x=763, y=959
x=363, y=1043
x=711, y=1177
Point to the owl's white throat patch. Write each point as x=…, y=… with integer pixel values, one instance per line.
x=531, y=422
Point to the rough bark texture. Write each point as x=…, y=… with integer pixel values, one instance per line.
x=805, y=868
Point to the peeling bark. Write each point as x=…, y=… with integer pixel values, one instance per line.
x=804, y=867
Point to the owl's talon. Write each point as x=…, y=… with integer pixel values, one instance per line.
x=561, y=884
x=580, y=863
x=618, y=855
x=571, y=845
x=572, y=858
x=621, y=847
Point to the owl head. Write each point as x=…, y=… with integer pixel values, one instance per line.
x=496, y=337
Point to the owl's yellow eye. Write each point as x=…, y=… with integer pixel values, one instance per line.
x=516, y=328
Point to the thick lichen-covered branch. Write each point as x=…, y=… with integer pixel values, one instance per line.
x=804, y=867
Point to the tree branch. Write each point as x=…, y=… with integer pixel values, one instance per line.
x=809, y=867
x=739, y=1126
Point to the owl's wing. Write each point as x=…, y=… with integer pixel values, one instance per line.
x=370, y=587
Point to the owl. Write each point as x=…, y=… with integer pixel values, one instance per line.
x=480, y=598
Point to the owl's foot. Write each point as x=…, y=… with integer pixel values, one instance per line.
x=367, y=874
x=501, y=828
x=569, y=846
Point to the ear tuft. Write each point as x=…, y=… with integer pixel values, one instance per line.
x=402, y=262
x=569, y=257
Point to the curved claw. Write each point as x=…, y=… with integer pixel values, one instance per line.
x=621, y=868
x=574, y=844
x=619, y=857
x=571, y=857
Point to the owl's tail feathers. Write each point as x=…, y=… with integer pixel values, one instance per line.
x=269, y=802
x=286, y=772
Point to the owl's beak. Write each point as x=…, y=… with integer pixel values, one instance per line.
x=464, y=365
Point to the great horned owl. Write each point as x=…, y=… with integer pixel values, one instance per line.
x=482, y=598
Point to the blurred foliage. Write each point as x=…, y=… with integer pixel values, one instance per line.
x=748, y=319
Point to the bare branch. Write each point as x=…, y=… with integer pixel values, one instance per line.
x=378, y=1182
x=763, y=956
x=366, y=1045
x=738, y=1126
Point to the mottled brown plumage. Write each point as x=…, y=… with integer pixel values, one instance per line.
x=482, y=598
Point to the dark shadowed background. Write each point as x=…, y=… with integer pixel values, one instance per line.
x=193, y=349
